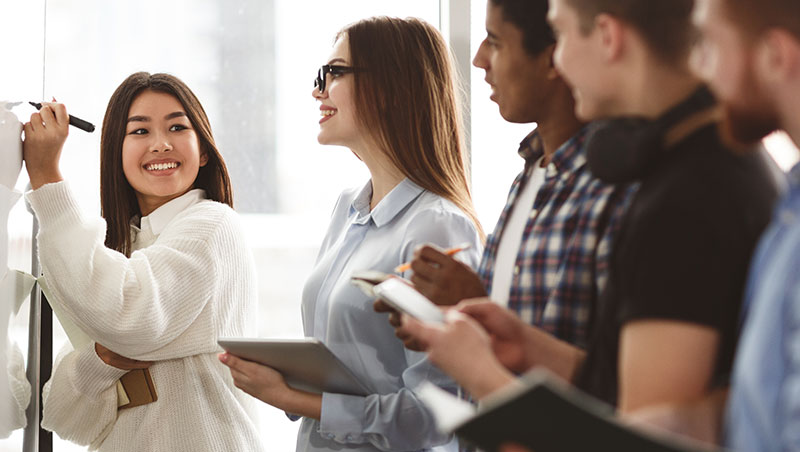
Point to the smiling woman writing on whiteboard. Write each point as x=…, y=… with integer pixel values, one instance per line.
x=165, y=275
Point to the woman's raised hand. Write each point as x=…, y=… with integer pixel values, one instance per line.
x=45, y=135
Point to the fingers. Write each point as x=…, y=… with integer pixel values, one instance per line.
x=429, y=253
x=427, y=260
x=416, y=333
x=52, y=114
x=380, y=306
x=35, y=123
x=478, y=308
x=59, y=112
x=47, y=115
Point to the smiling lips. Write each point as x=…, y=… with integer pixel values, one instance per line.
x=162, y=166
x=326, y=113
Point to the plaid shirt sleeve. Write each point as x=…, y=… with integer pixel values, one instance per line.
x=562, y=263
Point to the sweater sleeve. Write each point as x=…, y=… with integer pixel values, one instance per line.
x=81, y=383
x=135, y=306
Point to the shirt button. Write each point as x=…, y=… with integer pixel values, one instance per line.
x=516, y=270
x=551, y=169
x=534, y=212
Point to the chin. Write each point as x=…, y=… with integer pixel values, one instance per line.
x=584, y=112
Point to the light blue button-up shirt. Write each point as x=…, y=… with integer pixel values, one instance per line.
x=341, y=316
x=764, y=406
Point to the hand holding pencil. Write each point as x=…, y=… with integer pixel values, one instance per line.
x=449, y=252
x=442, y=278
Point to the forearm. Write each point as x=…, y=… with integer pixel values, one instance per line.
x=300, y=403
x=700, y=419
x=545, y=350
x=136, y=305
x=490, y=378
x=80, y=384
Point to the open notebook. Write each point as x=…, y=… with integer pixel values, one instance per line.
x=545, y=414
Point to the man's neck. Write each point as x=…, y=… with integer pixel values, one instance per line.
x=659, y=88
x=791, y=113
x=558, y=127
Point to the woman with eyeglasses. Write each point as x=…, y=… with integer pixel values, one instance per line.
x=388, y=94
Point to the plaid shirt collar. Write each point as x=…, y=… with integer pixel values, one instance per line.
x=567, y=158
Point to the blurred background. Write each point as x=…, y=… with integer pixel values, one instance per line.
x=251, y=63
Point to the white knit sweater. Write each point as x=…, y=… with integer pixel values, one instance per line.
x=190, y=280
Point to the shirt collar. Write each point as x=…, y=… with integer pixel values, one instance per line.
x=568, y=157
x=401, y=195
x=160, y=218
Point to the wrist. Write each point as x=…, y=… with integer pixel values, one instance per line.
x=486, y=382
x=40, y=178
x=300, y=403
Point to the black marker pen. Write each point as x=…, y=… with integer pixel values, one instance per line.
x=73, y=121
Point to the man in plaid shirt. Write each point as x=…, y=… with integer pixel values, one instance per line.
x=547, y=258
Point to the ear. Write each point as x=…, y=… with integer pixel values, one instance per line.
x=203, y=158
x=611, y=34
x=778, y=57
x=549, y=54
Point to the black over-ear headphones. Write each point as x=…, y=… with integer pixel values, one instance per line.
x=621, y=150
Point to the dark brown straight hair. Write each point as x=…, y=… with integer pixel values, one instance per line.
x=664, y=24
x=117, y=197
x=405, y=94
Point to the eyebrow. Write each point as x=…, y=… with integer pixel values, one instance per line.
x=176, y=114
x=337, y=60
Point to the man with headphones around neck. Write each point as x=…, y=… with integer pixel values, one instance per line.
x=666, y=325
x=749, y=53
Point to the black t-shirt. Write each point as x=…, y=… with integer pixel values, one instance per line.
x=683, y=250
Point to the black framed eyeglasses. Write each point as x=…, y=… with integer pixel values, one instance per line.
x=322, y=74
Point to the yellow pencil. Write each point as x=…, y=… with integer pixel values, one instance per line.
x=407, y=266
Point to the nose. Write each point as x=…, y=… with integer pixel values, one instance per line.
x=160, y=143
x=319, y=95
x=480, y=61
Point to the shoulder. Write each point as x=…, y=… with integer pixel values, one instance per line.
x=708, y=180
x=205, y=220
x=430, y=209
x=433, y=219
x=347, y=197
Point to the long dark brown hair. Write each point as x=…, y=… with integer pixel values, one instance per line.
x=117, y=197
x=406, y=96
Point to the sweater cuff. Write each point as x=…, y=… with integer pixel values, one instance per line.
x=93, y=376
x=54, y=205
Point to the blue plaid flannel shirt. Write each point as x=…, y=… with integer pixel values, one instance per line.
x=563, y=259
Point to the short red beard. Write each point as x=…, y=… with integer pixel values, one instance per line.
x=747, y=126
x=749, y=118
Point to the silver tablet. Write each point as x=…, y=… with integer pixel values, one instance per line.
x=306, y=364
